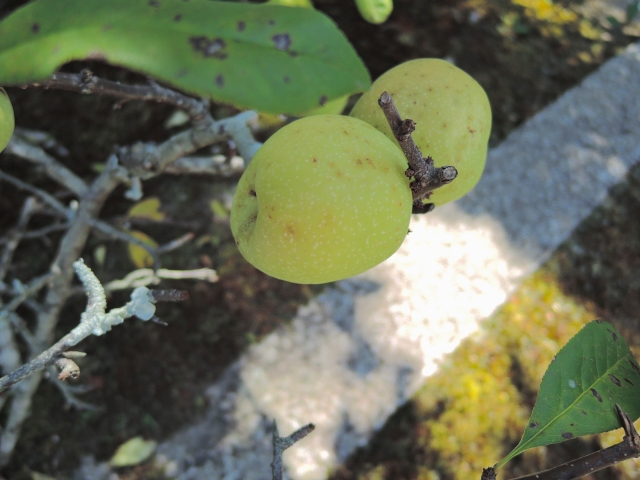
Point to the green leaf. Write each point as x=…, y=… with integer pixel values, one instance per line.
x=591, y=373
x=613, y=21
x=272, y=58
x=133, y=452
x=632, y=11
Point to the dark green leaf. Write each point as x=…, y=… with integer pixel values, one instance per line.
x=593, y=371
x=632, y=11
x=272, y=58
x=613, y=21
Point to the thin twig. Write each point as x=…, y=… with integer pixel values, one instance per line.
x=114, y=233
x=146, y=160
x=50, y=200
x=213, y=165
x=42, y=139
x=589, y=464
x=141, y=160
x=69, y=249
x=427, y=177
x=147, y=276
x=70, y=391
x=41, y=232
x=175, y=244
x=86, y=82
x=26, y=291
x=280, y=444
x=16, y=234
x=20, y=147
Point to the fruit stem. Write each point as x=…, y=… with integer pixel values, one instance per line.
x=427, y=177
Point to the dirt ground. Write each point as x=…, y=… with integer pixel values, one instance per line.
x=522, y=53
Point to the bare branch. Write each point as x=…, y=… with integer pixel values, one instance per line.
x=147, y=276
x=113, y=232
x=41, y=232
x=86, y=82
x=70, y=391
x=20, y=147
x=213, y=165
x=42, y=139
x=59, y=207
x=59, y=289
x=146, y=160
x=28, y=208
x=93, y=321
x=280, y=444
x=427, y=177
x=25, y=291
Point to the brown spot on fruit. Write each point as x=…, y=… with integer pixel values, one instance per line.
x=358, y=161
x=252, y=192
x=315, y=160
x=241, y=26
x=368, y=160
x=471, y=131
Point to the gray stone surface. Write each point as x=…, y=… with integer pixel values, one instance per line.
x=552, y=171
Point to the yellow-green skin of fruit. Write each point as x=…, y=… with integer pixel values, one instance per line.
x=452, y=115
x=7, y=122
x=325, y=198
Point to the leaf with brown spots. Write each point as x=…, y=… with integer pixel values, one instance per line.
x=272, y=58
x=581, y=387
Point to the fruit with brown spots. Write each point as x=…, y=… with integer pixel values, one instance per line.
x=452, y=115
x=325, y=198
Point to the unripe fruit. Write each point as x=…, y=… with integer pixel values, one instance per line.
x=7, y=121
x=452, y=115
x=375, y=11
x=325, y=198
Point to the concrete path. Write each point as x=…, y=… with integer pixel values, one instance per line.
x=357, y=351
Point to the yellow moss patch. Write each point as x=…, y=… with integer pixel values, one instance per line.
x=477, y=405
